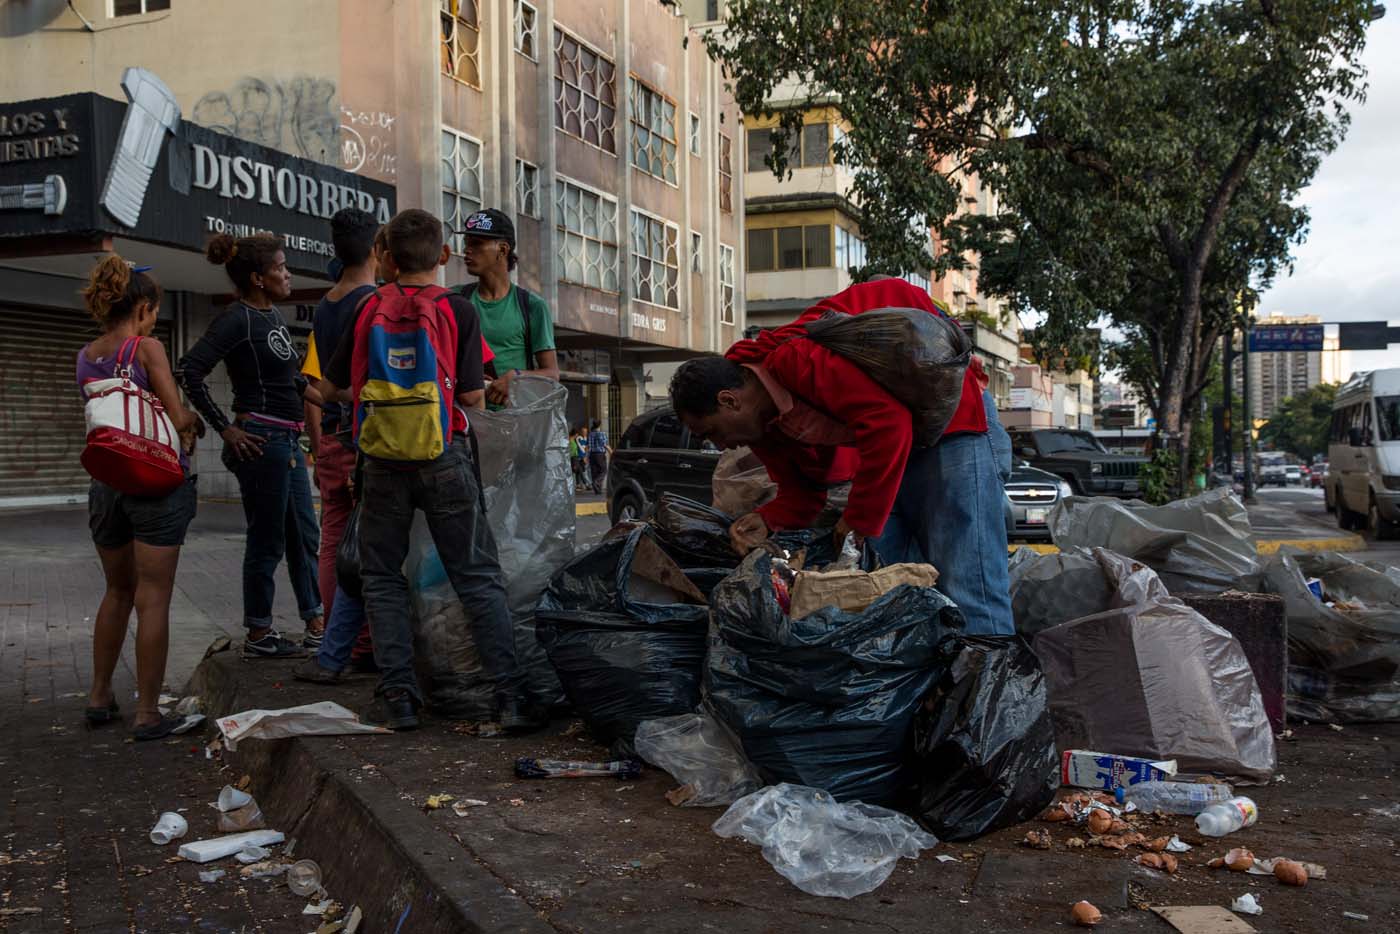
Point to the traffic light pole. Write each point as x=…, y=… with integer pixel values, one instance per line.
x=1248, y=426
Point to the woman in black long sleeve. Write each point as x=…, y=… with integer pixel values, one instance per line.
x=261, y=443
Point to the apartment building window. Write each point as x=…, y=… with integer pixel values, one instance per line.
x=694, y=135
x=655, y=260
x=585, y=99
x=138, y=7
x=915, y=278
x=809, y=148
x=726, y=175
x=653, y=131
x=526, y=29
x=461, y=183
x=780, y=248
x=588, y=247
x=726, y=284
x=527, y=188
x=461, y=40
x=850, y=249
x=696, y=262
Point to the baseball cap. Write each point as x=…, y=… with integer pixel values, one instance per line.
x=490, y=223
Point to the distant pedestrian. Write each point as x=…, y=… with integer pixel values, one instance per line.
x=138, y=538
x=578, y=456
x=598, y=454
x=262, y=444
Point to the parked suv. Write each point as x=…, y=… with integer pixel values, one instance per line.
x=1080, y=460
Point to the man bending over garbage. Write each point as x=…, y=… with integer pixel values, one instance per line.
x=815, y=419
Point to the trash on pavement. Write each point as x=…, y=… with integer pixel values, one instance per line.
x=1290, y=873
x=697, y=751
x=1037, y=839
x=1247, y=904
x=252, y=854
x=984, y=745
x=1227, y=817
x=324, y=907
x=1355, y=916
x=437, y=801
x=1175, y=845
x=304, y=877
x=1267, y=867
x=248, y=817
x=460, y=808
x=1152, y=678
x=825, y=701
x=170, y=826
x=1166, y=862
x=564, y=768
x=231, y=799
x=189, y=706
x=264, y=870
x=1202, y=919
x=1199, y=545
x=853, y=590
x=213, y=875
x=1084, y=769
x=202, y=851
x=1189, y=798
x=324, y=718
x=820, y=845
x=1085, y=915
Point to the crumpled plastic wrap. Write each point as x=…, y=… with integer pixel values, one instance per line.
x=1199, y=545
x=820, y=845
x=697, y=751
x=693, y=534
x=917, y=357
x=983, y=740
x=827, y=700
x=1152, y=678
x=1344, y=659
x=741, y=484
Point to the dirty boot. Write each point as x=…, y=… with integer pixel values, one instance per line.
x=395, y=709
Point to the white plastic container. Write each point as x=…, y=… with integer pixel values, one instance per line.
x=1227, y=817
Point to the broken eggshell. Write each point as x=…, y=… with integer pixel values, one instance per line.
x=1085, y=915
x=1290, y=873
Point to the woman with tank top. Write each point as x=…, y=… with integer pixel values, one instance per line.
x=262, y=443
x=138, y=538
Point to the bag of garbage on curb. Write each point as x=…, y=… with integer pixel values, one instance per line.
x=527, y=487
x=697, y=751
x=983, y=740
x=626, y=632
x=917, y=357
x=1151, y=677
x=1199, y=545
x=828, y=700
x=1344, y=650
x=820, y=845
x=693, y=534
x=1047, y=590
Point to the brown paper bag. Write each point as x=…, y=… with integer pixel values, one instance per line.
x=853, y=591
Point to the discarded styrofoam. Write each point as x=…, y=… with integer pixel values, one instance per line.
x=252, y=854
x=202, y=851
x=325, y=718
x=213, y=875
x=231, y=799
x=171, y=826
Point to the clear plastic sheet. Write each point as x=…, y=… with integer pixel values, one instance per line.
x=697, y=751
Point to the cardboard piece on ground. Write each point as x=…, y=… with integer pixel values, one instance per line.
x=853, y=591
x=325, y=718
x=654, y=566
x=1084, y=769
x=1203, y=919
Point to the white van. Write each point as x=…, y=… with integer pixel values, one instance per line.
x=1363, y=476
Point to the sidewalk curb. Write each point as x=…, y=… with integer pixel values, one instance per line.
x=1270, y=546
x=590, y=509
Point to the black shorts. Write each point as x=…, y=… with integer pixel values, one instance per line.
x=116, y=518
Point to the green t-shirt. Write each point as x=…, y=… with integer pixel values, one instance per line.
x=504, y=329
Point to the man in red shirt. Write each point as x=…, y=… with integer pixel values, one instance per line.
x=816, y=419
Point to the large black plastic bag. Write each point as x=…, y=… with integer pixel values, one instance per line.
x=1047, y=590
x=983, y=740
x=919, y=358
x=347, y=557
x=695, y=535
x=626, y=648
x=827, y=700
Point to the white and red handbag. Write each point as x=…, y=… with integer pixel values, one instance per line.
x=132, y=445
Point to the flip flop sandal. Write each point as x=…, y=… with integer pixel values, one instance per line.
x=164, y=728
x=97, y=716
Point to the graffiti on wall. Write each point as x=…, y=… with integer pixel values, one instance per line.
x=367, y=142
x=297, y=115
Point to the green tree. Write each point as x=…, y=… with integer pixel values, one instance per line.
x=1303, y=423
x=1149, y=153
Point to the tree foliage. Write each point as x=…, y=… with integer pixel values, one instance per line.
x=1303, y=423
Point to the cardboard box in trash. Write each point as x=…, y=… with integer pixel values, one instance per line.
x=853, y=590
x=1084, y=769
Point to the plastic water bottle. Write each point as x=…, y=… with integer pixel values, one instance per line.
x=1174, y=797
x=1227, y=817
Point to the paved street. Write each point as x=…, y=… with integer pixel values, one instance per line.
x=1286, y=509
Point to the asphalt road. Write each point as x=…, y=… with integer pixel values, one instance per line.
x=1308, y=506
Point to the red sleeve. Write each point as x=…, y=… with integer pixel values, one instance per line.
x=799, y=500
x=487, y=354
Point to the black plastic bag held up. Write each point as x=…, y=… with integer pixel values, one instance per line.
x=984, y=742
x=917, y=357
x=347, y=557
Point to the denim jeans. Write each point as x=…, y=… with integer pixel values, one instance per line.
x=342, y=629
x=949, y=513
x=281, y=520
x=447, y=492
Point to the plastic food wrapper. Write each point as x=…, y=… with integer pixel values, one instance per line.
x=324, y=718
x=1199, y=545
x=826, y=701
x=917, y=357
x=527, y=767
x=697, y=751
x=626, y=632
x=983, y=740
x=248, y=817
x=820, y=845
x=1082, y=768
x=1343, y=658
x=1152, y=678
x=741, y=484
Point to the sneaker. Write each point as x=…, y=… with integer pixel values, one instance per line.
x=272, y=645
x=394, y=709
x=311, y=641
x=312, y=670
x=521, y=715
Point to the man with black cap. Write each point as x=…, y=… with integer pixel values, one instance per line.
x=516, y=323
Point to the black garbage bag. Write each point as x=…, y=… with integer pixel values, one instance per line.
x=918, y=358
x=347, y=557
x=625, y=631
x=693, y=534
x=984, y=743
x=827, y=700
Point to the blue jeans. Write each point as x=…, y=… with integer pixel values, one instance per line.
x=342, y=629
x=276, y=491
x=949, y=513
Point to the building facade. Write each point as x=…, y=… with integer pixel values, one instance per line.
x=602, y=128
x=1276, y=376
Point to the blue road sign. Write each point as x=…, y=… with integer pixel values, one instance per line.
x=1285, y=338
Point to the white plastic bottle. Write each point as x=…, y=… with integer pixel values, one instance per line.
x=1227, y=817
x=1176, y=797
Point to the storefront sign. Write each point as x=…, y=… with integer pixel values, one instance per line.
x=36, y=134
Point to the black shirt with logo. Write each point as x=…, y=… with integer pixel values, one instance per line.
x=256, y=349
